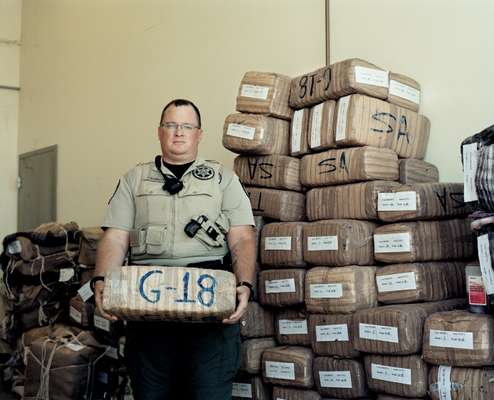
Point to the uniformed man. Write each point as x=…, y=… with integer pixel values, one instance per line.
x=148, y=215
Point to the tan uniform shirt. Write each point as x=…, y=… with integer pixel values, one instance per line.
x=156, y=219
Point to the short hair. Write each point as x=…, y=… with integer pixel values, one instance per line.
x=181, y=103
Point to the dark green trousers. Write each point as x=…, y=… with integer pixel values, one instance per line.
x=182, y=361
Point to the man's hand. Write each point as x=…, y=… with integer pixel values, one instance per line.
x=243, y=294
x=98, y=297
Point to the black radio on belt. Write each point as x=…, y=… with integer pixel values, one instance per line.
x=195, y=224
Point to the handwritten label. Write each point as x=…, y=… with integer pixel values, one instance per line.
x=280, y=286
x=318, y=243
x=341, y=118
x=278, y=243
x=241, y=131
x=14, y=247
x=399, y=201
x=485, y=262
x=296, y=138
x=371, y=76
x=101, y=323
x=336, y=379
x=406, y=92
x=74, y=346
x=452, y=339
x=379, y=333
x=280, y=370
x=243, y=390
x=66, y=274
x=470, y=162
x=315, y=126
x=396, y=282
x=444, y=382
x=75, y=315
x=332, y=333
x=391, y=374
x=392, y=243
x=326, y=291
x=85, y=291
x=254, y=91
x=292, y=327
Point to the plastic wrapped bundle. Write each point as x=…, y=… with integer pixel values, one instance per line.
x=288, y=366
x=249, y=387
x=446, y=382
x=287, y=393
x=281, y=287
x=404, y=91
x=299, y=140
x=282, y=245
x=281, y=205
x=309, y=89
x=292, y=328
x=321, y=126
x=417, y=171
x=257, y=321
x=252, y=350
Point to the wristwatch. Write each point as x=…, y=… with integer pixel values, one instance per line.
x=249, y=285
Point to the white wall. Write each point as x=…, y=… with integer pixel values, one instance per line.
x=447, y=45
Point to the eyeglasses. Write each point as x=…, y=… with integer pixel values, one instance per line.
x=173, y=127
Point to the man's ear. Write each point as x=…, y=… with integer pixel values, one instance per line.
x=200, y=132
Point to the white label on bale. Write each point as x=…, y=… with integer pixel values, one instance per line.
x=444, y=382
x=14, y=247
x=85, y=291
x=470, y=161
x=318, y=243
x=315, y=126
x=404, y=91
x=278, y=243
x=391, y=374
x=392, y=243
x=255, y=91
x=326, y=291
x=341, y=118
x=293, y=327
x=371, y=76
x=241, y=131
x=66, y=274
x=74, y=346
x=380, y=333
x=296, y=139
x=336, y=379
x=112, y=352
x=101, y=323
x=332, y=333
x=280, y=370
x=485, y=263
x=399, y=201
x=75, y=315
x=280, y=286
x=396, y=282
x=243, y=390
x=452, y=339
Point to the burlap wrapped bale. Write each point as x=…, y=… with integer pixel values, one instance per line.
x=287, y=393
x=340, y=290
x=256, y=134
x=459, y=338
x=282, y=245
x=89, y=243
x=396, y=329
x=414, y=282
x=404, y=91
x=140, y=293
x=281, y=287
x=275, y=171
x=461, y=383
x=252, y=350
x=249, y=387
x=288, y=366
x=358, y=76
x=399, y=375
x=309, y=89
x=356, y=164
x=81, y=312
x=340, y=378
x=299, y=128
x=417, y=171
x=292, y=327
x=321, y=126
x=281, y=205
x=265, y=93
x=422, y=201
x=424, y=241
x=339, y=242
x=257, y=321
x=355, y=201
x=332, y=335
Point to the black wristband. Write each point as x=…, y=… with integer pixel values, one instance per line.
x=95, y=279
x=249, y=285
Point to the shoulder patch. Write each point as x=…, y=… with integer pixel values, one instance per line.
x=203, y=172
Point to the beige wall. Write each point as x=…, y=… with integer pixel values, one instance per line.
x=447, y=45
x=95, y=75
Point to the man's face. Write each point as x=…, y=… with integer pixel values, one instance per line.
x=179, y=144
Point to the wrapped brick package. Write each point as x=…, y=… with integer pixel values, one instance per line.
x=139, y=293
x=257, y=321
x=249, y=387
x=281, y=287
x=265, y=93
x=282, y=245
x=309, y=89
x=282, y=205
x=355, y=200
x=422, y=201
x=424, y=241
x=339, y=242
x=446, y=382
x=299, y=140
x=412, y=136
x=417, y=171
x=340, y=289
x=340, y=378
x=355, y=164
x=404, y=91
x=288, y=366
x=81, y=312
x=459, y=338
x=252, y=350
x=332, y=335
x=256, y=134
x=275, y=171
x=414, y=282
x=396, y=329
x=292, y=327
x=321, y=126
x=287, y=393
x=89, y=242
x=397, y=375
